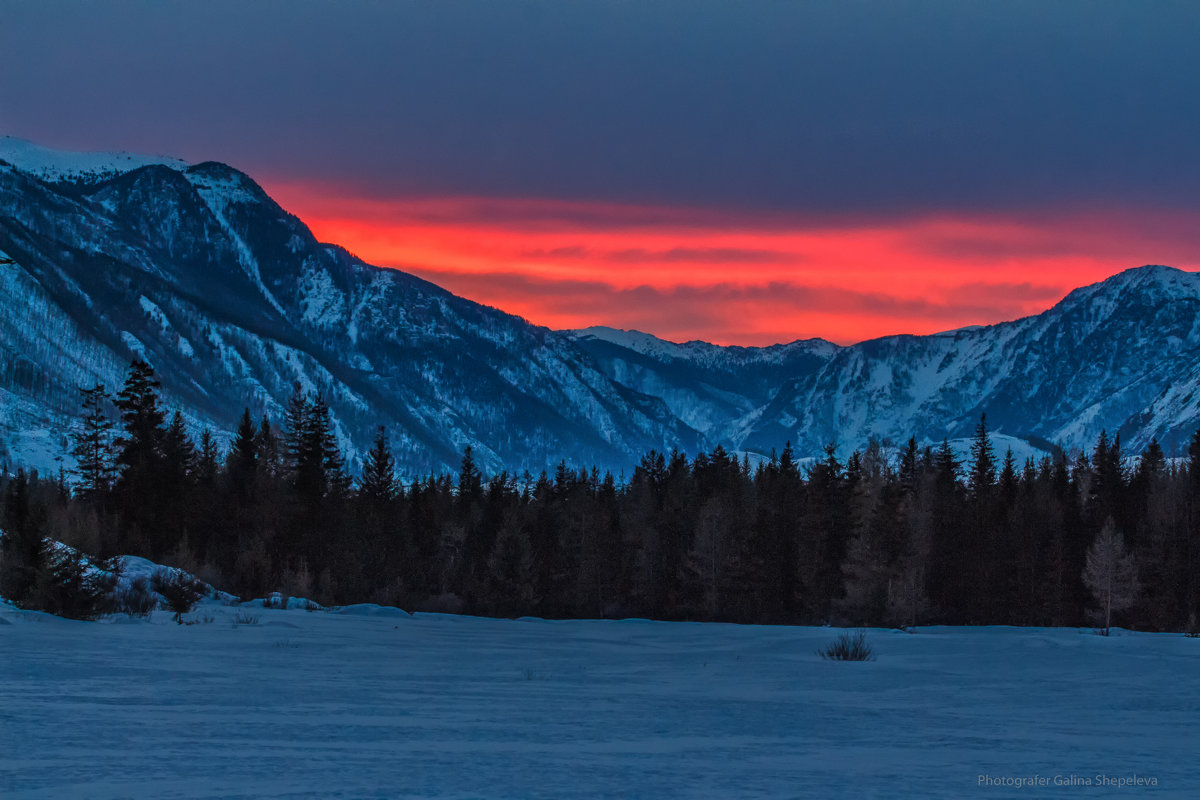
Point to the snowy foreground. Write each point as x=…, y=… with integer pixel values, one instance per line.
x=372, y=702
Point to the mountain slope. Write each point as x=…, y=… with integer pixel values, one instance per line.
x=1123, y=355
x=234, y=302
x=706, y=386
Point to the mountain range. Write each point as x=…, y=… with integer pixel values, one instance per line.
x=108, y=257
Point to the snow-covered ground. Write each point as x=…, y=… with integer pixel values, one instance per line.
x=372, y=702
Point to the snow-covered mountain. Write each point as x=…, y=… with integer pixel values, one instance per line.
x=233, y=301
x=231, y=298
x=1123, y=355
x=708, y=387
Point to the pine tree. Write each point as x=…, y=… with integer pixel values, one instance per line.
x=983, y=461
x=470, y=482
x=207, y=460
x=141, y=492
x=1008, y=479
x=323, y=440
x=1106, y=491
x=304, y=450
x=243, y=462
x=267, y=446
x=71, y=587
x=295, y=423
x=945, y=465
x=93, y=445
x=378, y=482
x=178, y=455
x=142, y=422
x=908, y=467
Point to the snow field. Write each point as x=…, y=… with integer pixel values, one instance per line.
x=372, y=702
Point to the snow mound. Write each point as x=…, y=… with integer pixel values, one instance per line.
x=372, y=610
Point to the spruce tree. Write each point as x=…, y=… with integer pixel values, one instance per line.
x=140, y=490
x=378, y=482
x=295, y=424
x=268, y=448
x=982, y=475
x=470, y=481
x=207, y=459
x=1008, y=479
x=323, y=440
x=93, y=445
x=142, y=422
x=178, y=455
x=243, y=461
x=909, y=474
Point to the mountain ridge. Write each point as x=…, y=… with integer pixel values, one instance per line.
x=235, y=302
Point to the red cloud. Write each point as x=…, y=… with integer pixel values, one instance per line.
x=700, y=274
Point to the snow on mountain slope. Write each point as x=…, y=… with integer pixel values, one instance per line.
x=57, y=165
x=1115, y=355
x=235, y=303
x=703, y=353
x=706, y=386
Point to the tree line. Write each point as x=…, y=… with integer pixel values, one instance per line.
x=916, y=538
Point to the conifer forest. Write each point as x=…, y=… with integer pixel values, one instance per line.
x=891, y=537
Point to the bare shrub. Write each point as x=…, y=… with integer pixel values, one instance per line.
x=136, y=599
x=848, y=647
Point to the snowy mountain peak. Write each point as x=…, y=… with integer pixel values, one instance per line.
x=1153, y=282
x=235, y=303
x=651, y=345
x=63, y=165
x=635, y=340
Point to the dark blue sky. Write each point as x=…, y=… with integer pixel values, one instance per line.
x=776, y=169
x=840, y=107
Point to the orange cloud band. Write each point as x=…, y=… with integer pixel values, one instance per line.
x=731, y=279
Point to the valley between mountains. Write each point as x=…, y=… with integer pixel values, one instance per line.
x=112, y=257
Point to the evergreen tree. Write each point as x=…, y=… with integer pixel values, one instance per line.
x=337, y=476
x=1008, y=480
x=244, y=454
x=982, y=476
x=909, y=461
x=295, y=424
x=268, y=449
x=93, y=445
x=178, y=455
x=1106, y=490
x=71, y=587
x=470, y=482
x=141, y=490
x=378, y=483
x=23, y=549
x=208, y=460
x=142, y=423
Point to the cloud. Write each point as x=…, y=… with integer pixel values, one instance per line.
x=674, y=255
x=728, y=313
x=730, y=281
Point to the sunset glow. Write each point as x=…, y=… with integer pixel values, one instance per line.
x=698, y=274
